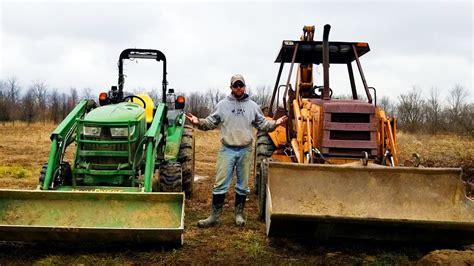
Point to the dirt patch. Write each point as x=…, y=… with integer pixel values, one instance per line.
x=448, y=257
x=225, y=244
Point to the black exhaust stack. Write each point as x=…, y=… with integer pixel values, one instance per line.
x=327, y=28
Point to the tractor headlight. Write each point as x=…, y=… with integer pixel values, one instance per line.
x=121, y=131
x=91, y=131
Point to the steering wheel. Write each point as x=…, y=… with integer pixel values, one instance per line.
x=320, y=89
x=131, y=99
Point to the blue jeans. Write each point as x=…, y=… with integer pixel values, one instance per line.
x=228, y=159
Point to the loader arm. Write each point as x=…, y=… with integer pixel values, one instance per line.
x=59, y=140
x=154, y=136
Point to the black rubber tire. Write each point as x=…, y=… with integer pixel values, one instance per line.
x=262, y=194
x=64, y=179
x=264, y=149
x=42, y=175
x=170, y=178
x=186, y=158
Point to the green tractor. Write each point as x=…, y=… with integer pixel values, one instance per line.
x=133, y=166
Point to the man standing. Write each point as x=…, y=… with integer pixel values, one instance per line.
x=236, y=115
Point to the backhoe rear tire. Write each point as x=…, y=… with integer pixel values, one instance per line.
x=264, y=149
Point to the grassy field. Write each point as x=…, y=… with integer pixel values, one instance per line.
x=24, y=148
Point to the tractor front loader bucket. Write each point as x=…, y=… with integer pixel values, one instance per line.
x=91, y=216
x=368, y=202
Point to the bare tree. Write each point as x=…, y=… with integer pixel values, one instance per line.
x=12, y=90
x=433, y=111
x=466, y=121
x=65, y=105
x=3, y=103
x=87, y=93
x=73, y=98
x=262, y=96
x=457, y=106
x=387, y=105
x=29, y=107
x=197, y=104
x=214, y=96
x=54, y=106
x=410, y=110
x=40, y=91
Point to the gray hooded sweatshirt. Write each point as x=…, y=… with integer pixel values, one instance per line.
x=236, y=117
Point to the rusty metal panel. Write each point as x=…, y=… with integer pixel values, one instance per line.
x=375, y=202
x=350, y=126
x=355, y=144
x=344, y=106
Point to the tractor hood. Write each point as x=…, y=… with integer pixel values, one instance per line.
x=122, y=112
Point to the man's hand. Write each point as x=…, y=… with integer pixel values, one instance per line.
x=281, y=120
x=193, y=119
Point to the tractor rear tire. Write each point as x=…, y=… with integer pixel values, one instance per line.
x=178, y=177
x=186, y=158
x=171, y=178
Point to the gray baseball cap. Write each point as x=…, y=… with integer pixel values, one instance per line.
x=235, y=78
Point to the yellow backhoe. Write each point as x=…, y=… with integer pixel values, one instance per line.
x=332, y=171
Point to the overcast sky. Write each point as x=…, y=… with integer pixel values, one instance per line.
x=424, y=44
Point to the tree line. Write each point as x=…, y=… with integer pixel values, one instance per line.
x=38, y=102
x=416, y=111
x=430, y=113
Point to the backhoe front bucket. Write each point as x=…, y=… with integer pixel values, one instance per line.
x=368, y=202
x=91, y=216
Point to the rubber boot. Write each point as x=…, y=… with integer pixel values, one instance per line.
x=216, y=210
x=239, y=209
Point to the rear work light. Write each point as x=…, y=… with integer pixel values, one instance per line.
x=103, y=98
x=180, y=102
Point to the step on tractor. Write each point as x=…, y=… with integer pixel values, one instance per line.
x=132, y=166
x=332, y=171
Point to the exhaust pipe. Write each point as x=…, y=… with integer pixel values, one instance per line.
x=327, y=28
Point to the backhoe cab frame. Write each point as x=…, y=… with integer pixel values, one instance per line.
x=320, y=52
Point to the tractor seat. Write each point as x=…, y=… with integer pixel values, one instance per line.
x=149, y=106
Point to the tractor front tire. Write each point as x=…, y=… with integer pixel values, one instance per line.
x=61, y=176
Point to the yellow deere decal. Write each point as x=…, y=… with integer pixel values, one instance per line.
x=98, y=190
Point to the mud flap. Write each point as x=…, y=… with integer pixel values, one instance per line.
x=368, y=202
x=91, y=216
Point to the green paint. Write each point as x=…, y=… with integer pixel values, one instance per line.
x=94, y=210
x=121, y=112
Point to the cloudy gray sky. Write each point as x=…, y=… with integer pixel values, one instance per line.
x=424, y=44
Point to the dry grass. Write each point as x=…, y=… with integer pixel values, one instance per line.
x=24, y=148
x=439, y=151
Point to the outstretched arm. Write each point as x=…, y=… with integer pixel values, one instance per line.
x=265, y=125
x=281, y=120
x=208, y=123
x=191, y=118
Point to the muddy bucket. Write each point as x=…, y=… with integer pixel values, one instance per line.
x=368, y=202
x=91, y=216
